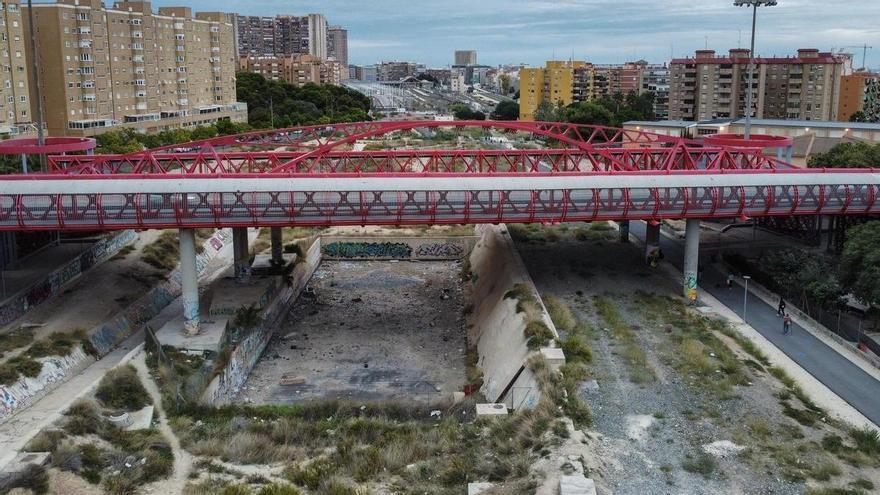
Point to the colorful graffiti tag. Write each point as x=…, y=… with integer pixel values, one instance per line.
x=367, y=250
x=25, y=390
x=45, y=289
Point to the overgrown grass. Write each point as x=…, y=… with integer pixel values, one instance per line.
x=699, y=463
x=536, y=332
x=634, y=356
x=164, y=252
x=15, y=339
x=534, y=233
x=560, y=313
x=121, y=388
x=332, y=445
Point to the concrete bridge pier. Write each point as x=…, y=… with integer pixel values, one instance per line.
x=691, y=259
x=189, y=281
x=277, y=246
x=652, y=243
x=624, y=231
x=241, y=253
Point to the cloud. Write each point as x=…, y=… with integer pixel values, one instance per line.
x=602, y=31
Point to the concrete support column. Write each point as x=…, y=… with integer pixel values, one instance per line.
x=691, y=259
x=624, y=230
x=241, y=253
x=652, y=243
x=277, y=247
x=788, y=154
x=189, y=281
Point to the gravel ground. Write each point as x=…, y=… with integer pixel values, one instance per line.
x=368, y=330
x=644, y=433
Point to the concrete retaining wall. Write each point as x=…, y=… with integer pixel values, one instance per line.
x=396, y=248
x=106, y=336
x=223, y=387
x=55, y=282
x=494, y=326
x=56, y=370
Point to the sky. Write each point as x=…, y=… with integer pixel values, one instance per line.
x=601, y=31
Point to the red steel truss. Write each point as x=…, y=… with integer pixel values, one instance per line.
x=311, y=178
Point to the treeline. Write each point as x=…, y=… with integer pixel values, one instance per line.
x=279, y=104
x=608, y=111
x=130, y=141
x=848, y=155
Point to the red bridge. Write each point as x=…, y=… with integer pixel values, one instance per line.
x=309, y=176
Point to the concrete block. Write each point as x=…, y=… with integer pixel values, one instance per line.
x=576, y=485
x=553, y=356
x=478, y=488
x=140, y=420
x=210, y=338
x=491, y=410
x=120, y=420
x=25, y=459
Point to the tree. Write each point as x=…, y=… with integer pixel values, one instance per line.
x=505, y=84
x=859, y=116
x=860, y=262
x=463, y=112
x=588, y=113
x=506, y=110
x=847, y=155
x=548, y=112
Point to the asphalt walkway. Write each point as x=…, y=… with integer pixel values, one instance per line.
x=836, y=372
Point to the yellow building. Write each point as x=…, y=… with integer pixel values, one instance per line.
x=126, y=66
x=554, y=84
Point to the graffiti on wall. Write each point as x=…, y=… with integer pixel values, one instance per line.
x=45, y=289
x=25, y=390
x=367, y=250
x=440, y=250
x=105, y=337
x=246, y=354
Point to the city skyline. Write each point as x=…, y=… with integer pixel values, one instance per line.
x=601, y=31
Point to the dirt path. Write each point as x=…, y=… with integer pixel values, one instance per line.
x=182, y=459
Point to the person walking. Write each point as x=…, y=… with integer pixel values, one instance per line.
x=780, y=311
x=729, y=280
x=786, y=324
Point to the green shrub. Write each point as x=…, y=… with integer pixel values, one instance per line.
x=576, y=350
x=34, y=478
x=832, y=443
x=538, y=334
x=8, y=374
x=278, y=489
x=560, y=313
x=121, y=388
x=867, y=440
x=27, y=367
x=701, y=463
x=164, y=252
x=825, y=471
x=82, y=418
x=312, y=475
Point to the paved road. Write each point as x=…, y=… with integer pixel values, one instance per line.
x=836, y=372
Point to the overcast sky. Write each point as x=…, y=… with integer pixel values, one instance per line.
x=603, y=31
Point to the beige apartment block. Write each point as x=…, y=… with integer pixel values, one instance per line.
x=15, y=106
x=128, y=67
x=802, y=87
x=294, y=69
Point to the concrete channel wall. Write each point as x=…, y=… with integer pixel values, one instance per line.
x=494, y=325
x=396, y=248
x=223, y=387
x=43, y=290
x=104, y=337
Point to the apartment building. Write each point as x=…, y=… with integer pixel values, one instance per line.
x=803, y=87
x=294, y=69
x=395, y=71
x=337, y=45
x=655, y=79
x=572, y=81
x=859, y=92
x=285, y=35
x=465, y=57
x=125, y=66
x=15, y=107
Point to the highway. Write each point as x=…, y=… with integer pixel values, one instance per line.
x=836, y=372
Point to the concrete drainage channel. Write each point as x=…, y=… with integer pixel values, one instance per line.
x=411, y=307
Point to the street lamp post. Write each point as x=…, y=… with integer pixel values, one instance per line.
x=754, y=4
x=746, y=296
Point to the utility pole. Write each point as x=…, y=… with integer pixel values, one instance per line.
x=750, y=96
x=35, y=68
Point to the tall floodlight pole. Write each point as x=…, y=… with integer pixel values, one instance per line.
x=35, y=69
x=754, y=4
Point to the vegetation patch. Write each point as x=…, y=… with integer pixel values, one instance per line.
x=633, y=354
x=164, y=252
x=121, y=389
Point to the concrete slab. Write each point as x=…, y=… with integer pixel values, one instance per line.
x=553, y=356
x=209, y=339
x=576, y=485
x=230, y=295
x=140, y=420
x=262, y=264
x=25, y=459
x=478, y=488
x=491, y=410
